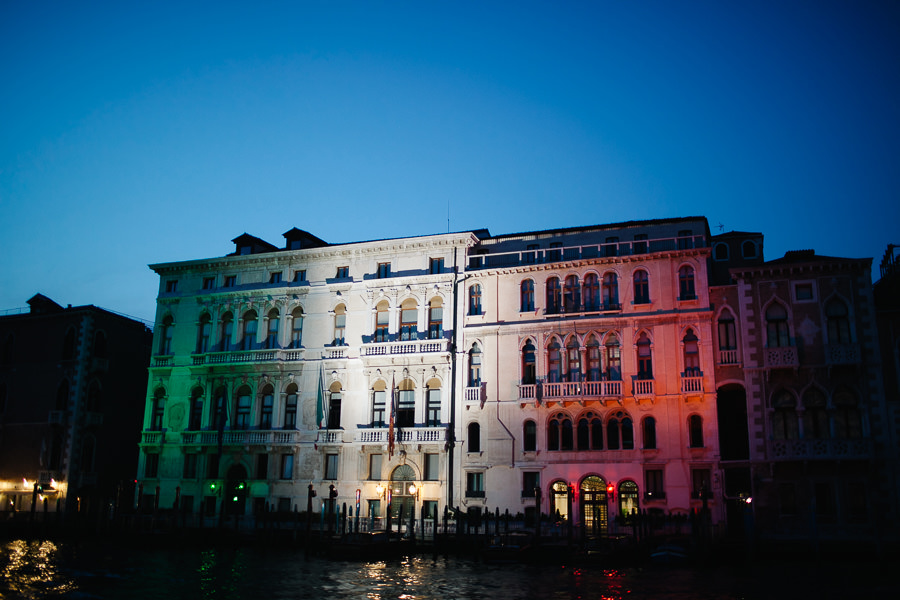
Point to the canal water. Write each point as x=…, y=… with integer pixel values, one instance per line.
x=45, y=569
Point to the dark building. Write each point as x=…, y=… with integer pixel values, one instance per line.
x=72, y=383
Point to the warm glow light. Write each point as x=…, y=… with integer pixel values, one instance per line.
x=412, y=488
x=379, y=488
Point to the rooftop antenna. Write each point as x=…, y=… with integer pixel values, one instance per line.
x=448, y=214
x=721, y=227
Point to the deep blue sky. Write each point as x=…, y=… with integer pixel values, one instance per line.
x=140, y=134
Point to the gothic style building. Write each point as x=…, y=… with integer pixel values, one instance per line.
x=583, y=373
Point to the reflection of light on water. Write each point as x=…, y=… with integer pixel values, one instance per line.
x=31, y=570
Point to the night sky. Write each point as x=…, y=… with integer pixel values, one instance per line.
x=133, y=135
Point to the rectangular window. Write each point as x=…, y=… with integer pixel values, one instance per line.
x=151, y=466
x=230, y=281
x=342, y=273
x=653, y=484
x=384, y=270
x=531, y=480
x=435, y=321
x=530, y=255
x=300, y=275
x=171, y=286
x=700, y=483
x=406, y=409
x=331, y=466
x=243, y=413
x=266, y=410
x=212, y=466
x=554, y=254
x=340, y=324
x=275, y=277
x=209, y=283
x=190, y=467
x=408, y=323
x=378, y=398
x=374, y=467
x=611, y=247
x=430, y=509
x=432, y=463
x=262, y=466
x=640, y=243
x=287, y=466
x=685, y=239
x=475, y=484
x=290, y=411
x=433, y=409
x=436, y=266
x=804, y=292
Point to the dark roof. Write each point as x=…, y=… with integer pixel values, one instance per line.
x=742, y=234
x=306, y=239
x=41, y=304
x=643, y=223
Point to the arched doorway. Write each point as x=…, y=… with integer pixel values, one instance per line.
x=734, y=445
x=402, y=501
x=559, y=500
x=628, y=499
x=236, y=489
x=594, y=511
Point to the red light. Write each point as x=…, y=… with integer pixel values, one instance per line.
x=610, y=489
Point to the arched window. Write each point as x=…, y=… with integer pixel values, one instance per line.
x=691, y=354
x=382, y=321
x=290, y=407
x=554, y=361
x=529, y=436
x=644, y=358
x=649, y=433
x=720, y=252
x=727, y=336
x=573, y=360
x=406, y=404
x=553, y=296
x=475, y=299
x=695, y=431
x=529, y=367
x=340, y=324
x=592, y=354
x=474, y=438
x=195, y=421
x=165, y=336
x=409, y=316
x=629, y=500
x=219, y=417
x=435, y=318
x=526, y=296
x=590, y=432
x=267, y=407
x=559, y=433
x=474, y=366
x=226, y=332
x=815, y=417
x=272, y=330
x=297, y=328
x=610, y=291
x=748, y=249
x=204, y=332
x=613, y=357
x=379, y=400
x=248, y=339
x=838, y=322
x=335, y=396
x=641, y=287
x=244, y=401
x=784, y=416
x=99, y=345
x=777, y=334
x=433, y=403
x=613, y=434
x=591, y=292
x=847, y=420
x=158, y=409
x=686, y=289
x=572, y=295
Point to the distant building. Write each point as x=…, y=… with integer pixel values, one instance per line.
x=72, y=383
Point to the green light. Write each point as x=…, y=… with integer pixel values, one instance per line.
x=235, y=499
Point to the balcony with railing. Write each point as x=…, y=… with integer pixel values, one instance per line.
x=590, y=251
x=642, y=387
x=241, y=438
x=405, y=347
x=163, y=361
x=728, y=357
x=402, y=435
x=152, y=438
x=832, y=449
x=571, y=390
x=784, y=357
x=842, y=354
x=692, y=382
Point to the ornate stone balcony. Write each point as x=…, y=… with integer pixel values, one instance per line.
x=842, y=354
x=571, y=390
x=691, y=384
x=819, y=449
x=728, y=357
x=403, y=435
x=781, y=358
x=642, y=387
x=240, y=438
x=405, y=347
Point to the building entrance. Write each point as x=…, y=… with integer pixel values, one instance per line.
x=594, y=510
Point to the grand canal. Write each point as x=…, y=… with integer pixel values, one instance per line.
x=43, y=569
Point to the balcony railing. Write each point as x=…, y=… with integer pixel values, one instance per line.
x=692, y=383
x=643, y=387
x=728, y=357
x=530, y=257
x=152, y=437
x=162, y=361
x=403, y=435
x=473, y=393
x=842, y=354
x=570, y=390
x=405, y=347
x=781, y=358
x=824, y=449
x=240, y=438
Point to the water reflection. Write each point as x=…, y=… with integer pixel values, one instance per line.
x=31, y=570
